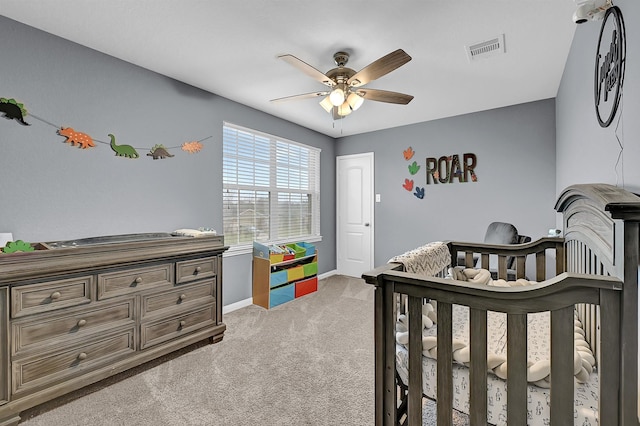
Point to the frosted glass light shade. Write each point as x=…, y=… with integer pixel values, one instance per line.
x=326, y=104
x=355, y=101
x=337, y=96
x=344, y=109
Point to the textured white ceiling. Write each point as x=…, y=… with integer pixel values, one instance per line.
x=230, y=48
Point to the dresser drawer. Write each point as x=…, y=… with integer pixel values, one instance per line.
x=35, y=373
x=157, y=332
x=133, y=280
x=54, y=330
x=180, y=299
x=191, y=270
x=44, y=297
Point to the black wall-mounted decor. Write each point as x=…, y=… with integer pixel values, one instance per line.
x=610, y=63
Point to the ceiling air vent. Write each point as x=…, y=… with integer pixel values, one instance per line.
x=486, y=49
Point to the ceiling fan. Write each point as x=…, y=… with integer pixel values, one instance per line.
x=346, y=93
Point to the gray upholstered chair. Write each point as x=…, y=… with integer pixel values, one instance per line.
x=500, y=233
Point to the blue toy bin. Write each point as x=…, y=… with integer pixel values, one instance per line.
x=310, y=249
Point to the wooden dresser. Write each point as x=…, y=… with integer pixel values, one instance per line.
x=70, y=317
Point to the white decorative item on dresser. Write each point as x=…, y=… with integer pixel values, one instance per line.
x=74, y=313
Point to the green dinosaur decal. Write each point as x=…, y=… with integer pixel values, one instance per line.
x=16, y=246
x=123, y=150
x=413, y=168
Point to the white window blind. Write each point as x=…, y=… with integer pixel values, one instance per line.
x=271, y=188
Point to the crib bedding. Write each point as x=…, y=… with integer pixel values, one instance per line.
x=538, y=343
x=585, y=394
x=538, y=353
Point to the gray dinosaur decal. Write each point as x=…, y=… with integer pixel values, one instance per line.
x=13, y=110
x=159, y=151
x=123, y=150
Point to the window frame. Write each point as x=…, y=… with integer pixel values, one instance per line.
x=273, y=189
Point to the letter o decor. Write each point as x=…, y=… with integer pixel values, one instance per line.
x=610, y=63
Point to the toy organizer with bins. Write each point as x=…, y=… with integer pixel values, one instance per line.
x=283, y=273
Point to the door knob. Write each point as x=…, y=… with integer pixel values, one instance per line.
x=366, y=224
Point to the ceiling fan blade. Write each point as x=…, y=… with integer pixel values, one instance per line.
x=385, y=96
x=380, y=67
x=307, y=69
x=303, y=96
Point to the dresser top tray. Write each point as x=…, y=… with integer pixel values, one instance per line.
x=89, y=254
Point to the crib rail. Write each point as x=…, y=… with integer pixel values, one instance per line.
x=557, y=295
x=486, y=253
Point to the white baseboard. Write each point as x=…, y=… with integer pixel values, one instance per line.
x=327, y=274
x=246, y=302
x=237, y=305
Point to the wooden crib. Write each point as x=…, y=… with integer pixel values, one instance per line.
x=596, y=276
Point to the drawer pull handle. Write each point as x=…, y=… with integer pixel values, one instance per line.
x=183, y=323
x=198, y=269
x=55, y=295
x=138, y=280
x=82, y=355
x=82, y=323
x=183, y=297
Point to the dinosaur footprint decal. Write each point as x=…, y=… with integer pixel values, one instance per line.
x=419, y=192
x=408, y=153
x=408, y=184
x=413, y=168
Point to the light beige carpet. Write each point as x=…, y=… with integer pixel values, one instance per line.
x=307, y=362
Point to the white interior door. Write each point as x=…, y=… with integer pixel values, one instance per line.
x=354, y=220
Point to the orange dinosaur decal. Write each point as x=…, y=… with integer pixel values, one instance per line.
x=192, y=147
x=82, y=139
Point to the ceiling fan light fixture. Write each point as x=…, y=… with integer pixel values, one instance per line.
x=337, y=96
x=355, y=101
x=326, y=104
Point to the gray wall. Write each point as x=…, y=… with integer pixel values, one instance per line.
x=526, y=153
x=585, y=151
x=515, y=150
x=50, y=190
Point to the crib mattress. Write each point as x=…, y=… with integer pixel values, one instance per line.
x=538, y=350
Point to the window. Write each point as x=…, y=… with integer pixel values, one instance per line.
x=271, y=188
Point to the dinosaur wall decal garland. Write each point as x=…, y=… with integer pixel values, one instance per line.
x=14, y=110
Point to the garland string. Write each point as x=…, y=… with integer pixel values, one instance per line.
x=105, y=142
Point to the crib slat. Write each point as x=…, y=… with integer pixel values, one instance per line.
x=484, y=260
x=562, y=366
x=444, y=402
x=541, y=267
x=520, y=266
x=468, y=260
x=516, y=369
x=502, y=267
x=414, y=404
x=561, y=265
x=609, y=365
x=478, y=367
